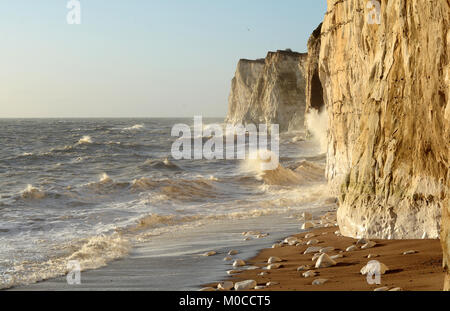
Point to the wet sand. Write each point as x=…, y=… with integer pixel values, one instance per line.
x=421, y=271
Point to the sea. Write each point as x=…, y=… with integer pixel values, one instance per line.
x=99, y=191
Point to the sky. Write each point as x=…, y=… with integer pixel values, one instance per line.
x=138, y=58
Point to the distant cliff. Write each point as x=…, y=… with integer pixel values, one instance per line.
x=269, y=91
x=387, y=91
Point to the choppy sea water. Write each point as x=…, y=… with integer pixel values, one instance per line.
x=93, y=190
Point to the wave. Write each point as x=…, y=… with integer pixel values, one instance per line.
x=159, y=164
x=317, y=124
x=32, y=193
x=85, y=140
x=135, y=127
x=91, y=253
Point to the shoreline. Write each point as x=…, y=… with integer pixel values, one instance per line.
x=418, y=271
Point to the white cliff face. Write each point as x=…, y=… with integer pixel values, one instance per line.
x=269, y=92
x=386, y=91
x=242, y=85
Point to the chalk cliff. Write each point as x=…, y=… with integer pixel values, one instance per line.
x=269, y=91
x=385, y=73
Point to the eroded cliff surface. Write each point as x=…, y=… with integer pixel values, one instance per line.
x=386, y=89
x=270, y=91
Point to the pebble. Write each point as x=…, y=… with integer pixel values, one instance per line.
x=307, y=225
x=310, y=236
x=247, y=239
x=337, y=232
x=208, y=254
x=309, y=274
x=316, y=256
x=313, y=242
x=233, y=252
x=263, y=273
x=325, y=261
x=319, y=282
x=372, y=256
x=372, y=267
x=410, y=252
x=245, y=285
x=396, y=289
x=252, y=268
x=327, y=249
x=238, y=263
x=274, y=260
x=351, y=248
x=276, y=246
x=381, y=289
x=228, y=258
x=207, y=289
x=291, y=240
x=272, y=284
x=362, y=242
x=312, y=249
x=231, y=272
x=260, y=287
x=303, y=268
x=273, y=266
x=368, y=245
x=225, y=285
x=337, y=256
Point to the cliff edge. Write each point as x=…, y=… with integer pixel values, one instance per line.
x=385, y=72
x=269, y=91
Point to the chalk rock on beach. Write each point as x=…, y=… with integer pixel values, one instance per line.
x=303, y=268
x=381, y=289
x=326, y=250
x=337, y=256
x=231, y=272
x=374, y=267
x=291, y=240
x=307, y=225
x=225, y=285
x=309, y=274
x=209, y=254
x=272, y=284
x=233, y=252
x=410, y=252
x=351, y=248
x=238, y=263
x=277, y=245
x=273, y=266
x=274, y=260
x=316, y=256
x=361, y=241
x=368, y=245
x=310, y=236
x=245, y=285
x=228, y=258
x=312, y=242
x=325, y=261
x=319, y=282
x=312, y=250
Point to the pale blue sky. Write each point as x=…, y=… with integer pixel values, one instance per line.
x=138, y=58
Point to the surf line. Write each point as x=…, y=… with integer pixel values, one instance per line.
x=236, y=137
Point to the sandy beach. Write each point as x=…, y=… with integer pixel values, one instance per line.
x=419, y=271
